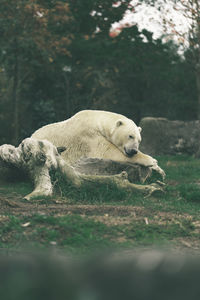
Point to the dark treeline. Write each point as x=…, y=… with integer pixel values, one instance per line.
x=57, y=58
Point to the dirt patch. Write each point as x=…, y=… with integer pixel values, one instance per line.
x=107, y=214
x=110, y=215
x=13, y=204
x=110, y=220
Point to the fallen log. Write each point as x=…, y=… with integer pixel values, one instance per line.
x=39, y=159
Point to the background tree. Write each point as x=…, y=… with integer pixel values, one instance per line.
x=189, y=38
x=58, y=57
x=31, y=34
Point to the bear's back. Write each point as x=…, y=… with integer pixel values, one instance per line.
x=84, y=135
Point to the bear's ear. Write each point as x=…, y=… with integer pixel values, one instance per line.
x=119, y=123
x=140, y=129
x=61, y=149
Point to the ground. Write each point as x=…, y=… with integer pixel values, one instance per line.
x=81, y=221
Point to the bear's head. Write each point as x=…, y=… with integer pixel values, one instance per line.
x=126, y=137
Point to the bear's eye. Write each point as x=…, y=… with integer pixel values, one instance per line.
x=131, y=137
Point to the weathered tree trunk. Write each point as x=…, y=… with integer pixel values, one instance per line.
x=197, y=54
x=15, y=96
x=97, y=166
x=38, y=158
x=198, y=87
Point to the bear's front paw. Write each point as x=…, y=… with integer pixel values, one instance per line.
x=159, y=170
x=150, y=162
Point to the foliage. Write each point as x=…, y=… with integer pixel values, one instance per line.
x=30, y=40
x=58, y=57
x=187, y=38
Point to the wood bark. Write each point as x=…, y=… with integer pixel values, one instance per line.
x=198, y=88
x=39, y=159
x=196, y=32
x=15, y=97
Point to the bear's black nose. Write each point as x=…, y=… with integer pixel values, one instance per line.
x=131, y=152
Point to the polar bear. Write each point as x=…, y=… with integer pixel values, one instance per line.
x=97, y=134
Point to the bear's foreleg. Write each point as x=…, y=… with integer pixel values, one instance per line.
x=147, y=161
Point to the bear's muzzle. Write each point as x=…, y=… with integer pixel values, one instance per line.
x=130, y=152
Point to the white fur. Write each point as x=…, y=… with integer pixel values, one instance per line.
x=93, y=133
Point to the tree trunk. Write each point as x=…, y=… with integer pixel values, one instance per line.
x=197, y=67
x=38, y=158
x=198, y=91
x=15, y=97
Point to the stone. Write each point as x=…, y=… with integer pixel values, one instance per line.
x=162, y=136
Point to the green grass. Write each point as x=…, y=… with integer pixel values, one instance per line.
x=182, y=193
x=68, y=232
x=183, y=179
x=157, y=234
x=180, y=168
x=75, y=233
x=16, y=187
x=190, y=192
x=93, y=193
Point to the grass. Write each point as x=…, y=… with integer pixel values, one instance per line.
x=95, y=193
x=16, y=187
x=170, y=217
x=156, y=234
x=183, y=183
x=81, y=234
x=67, y=232
x=182, y=192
